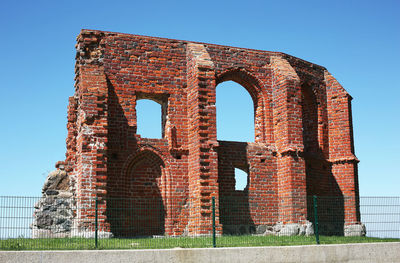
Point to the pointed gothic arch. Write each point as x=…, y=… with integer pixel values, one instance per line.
x=262, y=103
x=140, y=210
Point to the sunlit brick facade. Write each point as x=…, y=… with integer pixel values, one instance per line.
x=303, y=134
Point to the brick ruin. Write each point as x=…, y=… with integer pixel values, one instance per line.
x=303, y=138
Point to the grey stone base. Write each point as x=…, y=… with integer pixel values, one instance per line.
x=306, y=229
x=91, y=234
x=45, y=233
x=279, y=229
x=53, y=214
x=356, y=230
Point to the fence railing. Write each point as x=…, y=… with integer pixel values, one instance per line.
x=148, y=222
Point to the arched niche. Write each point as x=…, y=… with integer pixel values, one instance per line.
x=139, y=210
x=309, y=106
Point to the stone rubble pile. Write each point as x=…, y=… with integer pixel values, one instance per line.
x=53, y=215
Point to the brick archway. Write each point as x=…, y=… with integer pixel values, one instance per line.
x=262, y=121
x=140, y=210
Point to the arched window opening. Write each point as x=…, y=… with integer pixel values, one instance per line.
x=235, y=113
x=149, y=119
x=241, y=179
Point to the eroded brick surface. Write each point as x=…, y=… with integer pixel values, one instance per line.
x=303, y=136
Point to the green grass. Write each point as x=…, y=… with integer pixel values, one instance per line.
x=181, y=242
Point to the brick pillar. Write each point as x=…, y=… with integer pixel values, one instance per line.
x=203, y=159
x=91, y=142
x=341, y=147
x=287, y=120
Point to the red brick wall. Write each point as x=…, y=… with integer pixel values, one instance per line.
x=303, y=134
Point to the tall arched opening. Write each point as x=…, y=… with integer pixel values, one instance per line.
x=235, y=113
x=242, y=119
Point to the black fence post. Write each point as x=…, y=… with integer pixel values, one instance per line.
x=96, y=226
x=316, y=219
x=213, y=222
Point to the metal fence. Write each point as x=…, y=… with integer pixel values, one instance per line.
x=28, y=223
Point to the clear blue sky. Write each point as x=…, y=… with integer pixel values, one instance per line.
x=358, y=41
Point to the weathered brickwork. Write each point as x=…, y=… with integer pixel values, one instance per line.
x=303, y=136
